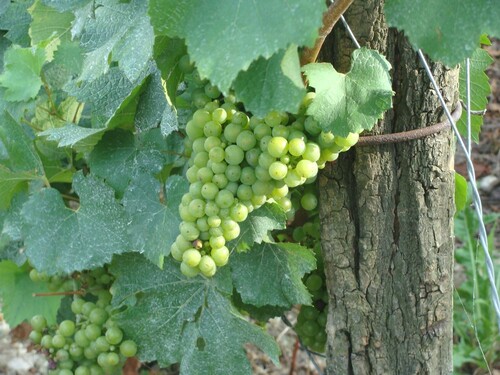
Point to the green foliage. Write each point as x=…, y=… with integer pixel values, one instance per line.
x=479, y=90
x=262, y=29
x=196, y=319
x=271, y=274
x=352, y=102
x=474, y=317
x=460, y=192
x=16, y=292
x=433, y=25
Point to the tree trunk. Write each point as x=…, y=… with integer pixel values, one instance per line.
x=387, y=231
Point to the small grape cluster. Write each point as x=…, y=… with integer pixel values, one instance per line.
x=90, y=344
x=237, y=163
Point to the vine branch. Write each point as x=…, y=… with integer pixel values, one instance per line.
x=330, y=18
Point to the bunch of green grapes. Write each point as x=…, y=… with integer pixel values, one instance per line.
x=237, y=163
x=311, y=321
x=90, y=344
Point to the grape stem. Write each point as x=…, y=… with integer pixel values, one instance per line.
x=330, y=18
x=52, y=294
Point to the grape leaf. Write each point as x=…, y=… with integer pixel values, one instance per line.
x=21, y=76
x=16, y=20
x=19, y=162
x=111, y=99
x=480, y=89
x=225, y=42
x=16, y=290
x=120, y=156
x=154, y=225
x=167, y=52
x=60, y=240
x=352, y=102
x=447, y=31
x=271, y=274
x=261, y=314
x=11, y=240
x=258, y=224
x=460, y=192
x=66, y=5
x=48, y=23
x=272, y=84
x=153, y=107
x=190, y=321
x=116, y=32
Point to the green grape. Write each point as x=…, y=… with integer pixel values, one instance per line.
x=224, y=199
x=58, y=341
x=312, y=152
x=189, y=231
x=67, y=328
x=65, y=371
x=220, y=255
x=233, y=173
x=46, y=341
x=92, y=331
x=278, y=170
x=306, y=168
x=213, y=105
x=252, y=156
x=285, y=203
x=62, y=355
x=34, y=276
x=207, y=266
x=241, y=118
x=112, y=359
x=216, y=154
x=265, y=160
x=98, y=316
x=220, y=180
x=246, y=140
x=219, y=115
x=199, y=145
x=277, y=147
x=217, y=242
x=191, y=257
x=312, y=126
x=219, y=168
x=75, y=351
x=197, y=208
x=212, y=91
x=262, y=130
x=36, y=336
x=128, y=348
x=96, y=370
x=234, y=155
x=176, y=252
x=38, y=323
x=81, y=339
x=193, y=131
x=189, y=271
x=231, y=132
x=309, y=201
x=87, y=308
x=202, y=224
x=201, y=159
x=239, y=212
x=102, y=360
x=212, y=128
x=262, y=174
x=273, y=118
x=347, y=142
x=185, y=67
x=114, y=335
x=244, y=192
x=214, y=221
x=296, y=147
x=82, y=370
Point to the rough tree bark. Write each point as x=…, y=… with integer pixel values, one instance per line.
x=387, y=222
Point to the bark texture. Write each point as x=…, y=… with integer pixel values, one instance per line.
x=387, y=222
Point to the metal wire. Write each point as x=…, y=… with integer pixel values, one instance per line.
x=483, y=236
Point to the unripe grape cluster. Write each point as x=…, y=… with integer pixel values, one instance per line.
x=90, y=344
x=237, y=163
x=311, y=321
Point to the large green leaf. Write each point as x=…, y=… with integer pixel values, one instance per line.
x=60, y=240
x=271, y=274
x=121, y=156
x=47, y=23
x=479, y=89
x=272, y=84
x=154, y=214
x=111, y=100
x=352, y=102
x=11, y=239
x=224, y=40
x=116, y=32
x=18, y=302
x=446, y=30
x=16, y=20
x=258, y=224
x=19, y=162
x=191, y=321
x=21, y=76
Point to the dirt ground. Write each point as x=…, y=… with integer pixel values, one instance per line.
x=17, y=359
